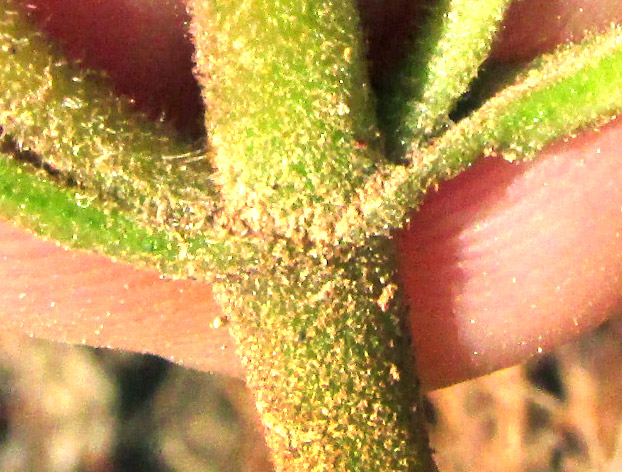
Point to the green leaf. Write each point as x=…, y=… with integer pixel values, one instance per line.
x=580, y=85
x=79, y=220
x=94, y=139
x=446, y=58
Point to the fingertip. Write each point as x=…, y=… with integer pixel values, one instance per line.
x=143, y=47
x=510, y=260
x=533, y=27
x=78, y=297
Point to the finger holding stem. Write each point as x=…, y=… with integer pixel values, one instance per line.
x=462, y=229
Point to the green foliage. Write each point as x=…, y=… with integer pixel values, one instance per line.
x=578, y=86
x=77, y=219
x=42, y=206
x=454, y=43
x=291, y=215
x=73, y=119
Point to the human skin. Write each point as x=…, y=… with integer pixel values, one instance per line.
x=504, y=262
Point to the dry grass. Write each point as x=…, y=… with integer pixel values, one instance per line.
x=73, y=409
x=559, y=413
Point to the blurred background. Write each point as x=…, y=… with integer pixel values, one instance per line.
x=66, y=408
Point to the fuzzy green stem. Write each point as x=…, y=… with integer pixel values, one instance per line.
x=291, y=117
x=318, y=323
x=323, y=344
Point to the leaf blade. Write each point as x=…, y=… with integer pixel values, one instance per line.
x=455, y=42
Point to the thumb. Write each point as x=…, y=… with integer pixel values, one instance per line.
x=508, y=261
